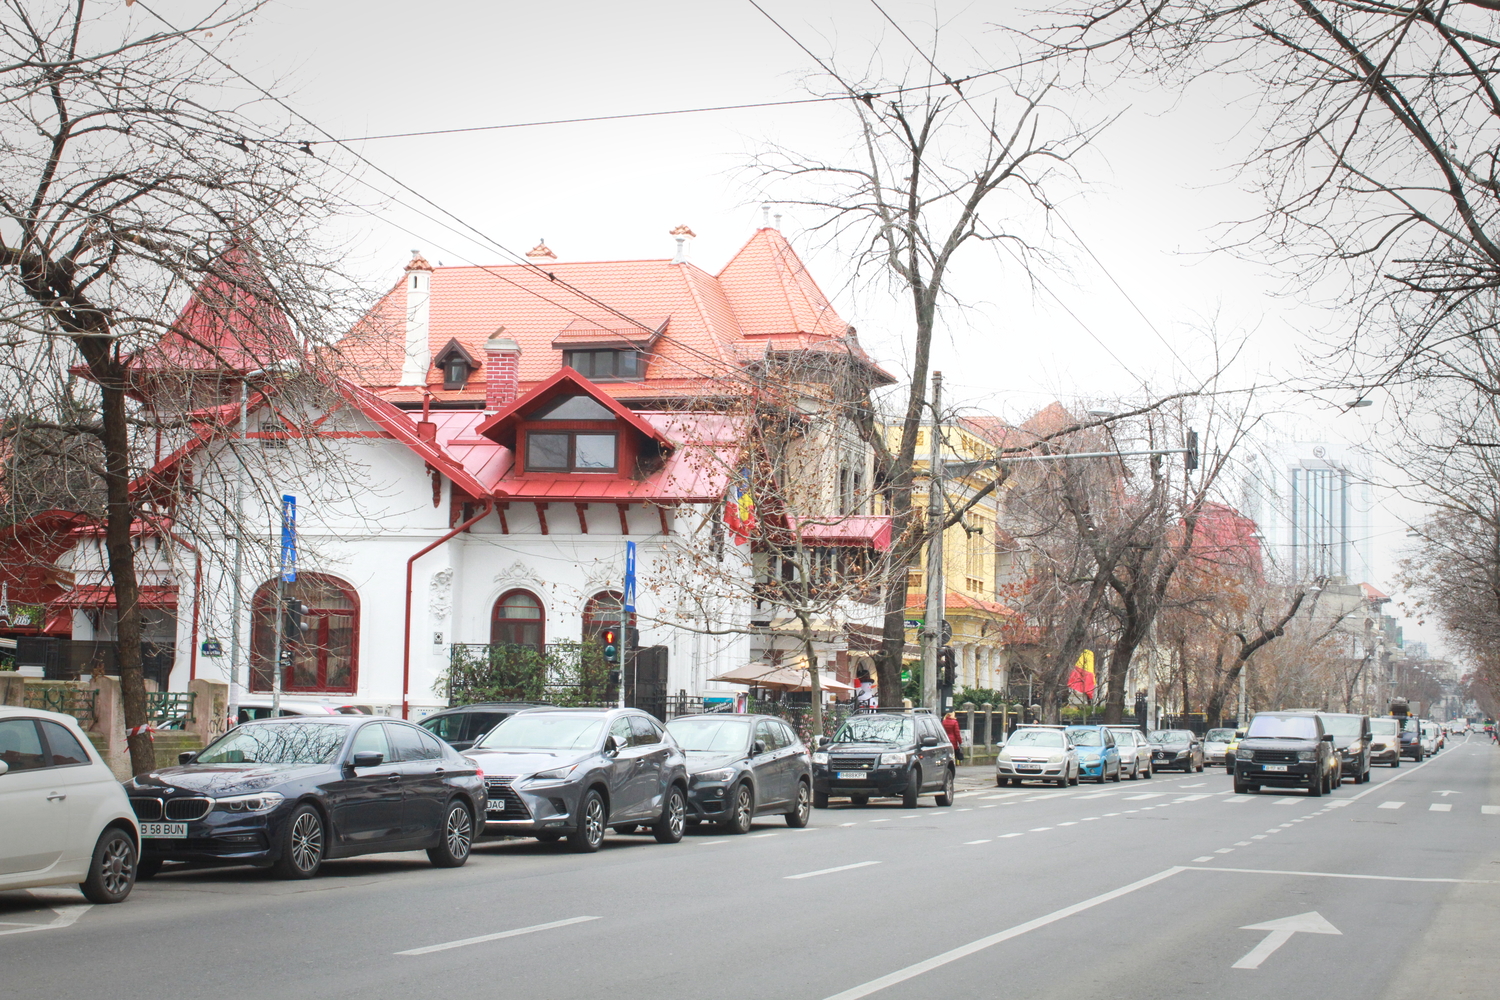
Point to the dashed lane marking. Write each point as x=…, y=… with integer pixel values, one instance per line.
x=1206, y=857
x=830, y=871
x=1440, y=807
x=1390, y=805
x=1039, y=829
x=517, y=932
x=1007, y=836
x=970, y=843
x=1490, y=810
x=1148, y=795
x=1225, y=850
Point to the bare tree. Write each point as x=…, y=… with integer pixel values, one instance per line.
x=132, y=179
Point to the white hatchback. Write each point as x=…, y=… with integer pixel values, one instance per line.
x=64, y=819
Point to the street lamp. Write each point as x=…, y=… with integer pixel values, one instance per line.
x=1360, y=402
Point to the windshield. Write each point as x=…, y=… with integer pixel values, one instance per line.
x=1429, y=729
x=711, y=735
x=1085, y=737
x=1341, y=725
x=1035, y=738
x=1219, y=735
x=1383, y=727
x=1286, y=727
x=876, y=728
x=277, y=743
x=544, y=731
x=1410, y=725
x=1171, y=736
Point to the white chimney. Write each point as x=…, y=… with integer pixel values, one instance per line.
x=418, y=357
x=683, y=234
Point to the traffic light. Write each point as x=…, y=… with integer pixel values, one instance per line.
x=294, y=621
x=948, y=664
x=610, y=639
x=1192, y=451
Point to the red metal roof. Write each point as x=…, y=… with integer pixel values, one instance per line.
x=501, y=428
x=859, y=530
x=103, y=596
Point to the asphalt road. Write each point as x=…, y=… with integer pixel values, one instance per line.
x=1149, y=889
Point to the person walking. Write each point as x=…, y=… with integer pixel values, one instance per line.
x=955, y=735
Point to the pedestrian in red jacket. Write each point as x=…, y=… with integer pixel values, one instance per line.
x=955, y=735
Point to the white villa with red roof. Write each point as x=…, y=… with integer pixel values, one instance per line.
x=512, y=428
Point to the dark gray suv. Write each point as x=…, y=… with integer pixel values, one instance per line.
x=570, y=772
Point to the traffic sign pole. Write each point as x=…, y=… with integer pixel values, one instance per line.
x=286, y=574
x=935, y=591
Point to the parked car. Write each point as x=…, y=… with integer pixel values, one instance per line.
x=462, y=727
x=1216, y=746
x=1432, y=737
x=743, y=766
x=64, y=819
x=573, y=772
x=1385, y=740
x=1286, y=749
x=1037, y=753
x=1098, y=752
x=1352, y=741
x=1179, y=749
x=1135, y=752
x=260, y=707
x=887, y=753
x=291, y=793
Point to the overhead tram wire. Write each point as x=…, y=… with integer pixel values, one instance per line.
x=729, y=375
x=957, y=88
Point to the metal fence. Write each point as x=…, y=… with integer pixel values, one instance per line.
x=169, y=709
x=66, y=699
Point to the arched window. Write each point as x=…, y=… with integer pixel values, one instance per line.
x=324, y=659
x=601, y=612
x=518, y=620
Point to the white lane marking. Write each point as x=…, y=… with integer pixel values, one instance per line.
x=830, y=871
x=1071, y=822
x=1281, y=932
x=1285, y=826
x=1111, y=814
x=1289, y=802
x=1089, y=819
x=1197, y=785
x=964, y=951
x=1242, y=843
x=710, y=843
x=1225, y=850
x=965, y=809
x=990, y=806
x=970, y=843
x=1039, y=829
x=67, y=916
x=883, y=819
x=1490, y=810
x=1199, y=861
x=464, y=942
x=755, y=836
x=1368, y=878
x=1148, y=795
x=1257, y=836
x=1238, y=798
x=913, y=816
x=1004, y=795
x=1007, y=836
x=1440, y=807
x=1129, y=811
x=848, y=824
x=1390, y=805
x=1192, y=798
x=1098, y=795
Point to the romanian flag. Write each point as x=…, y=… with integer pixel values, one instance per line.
x=1081, y=679
x=739, y=508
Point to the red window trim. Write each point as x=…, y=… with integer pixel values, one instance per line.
x=267, y=590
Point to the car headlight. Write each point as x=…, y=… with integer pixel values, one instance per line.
x=1057, y=758
x=260, y=802
x=1355, y=747
x=819, y=757
x=717, y=774
x=1306, y=755
x=894, y=758
x=1244, y=754
x=556, y=774
x=1089, y=758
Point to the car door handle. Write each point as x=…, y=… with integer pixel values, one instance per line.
x=56, y=797
x=393, y=777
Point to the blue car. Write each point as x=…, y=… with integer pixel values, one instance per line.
x=1098, y=754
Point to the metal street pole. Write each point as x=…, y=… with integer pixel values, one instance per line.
x=239, y=562
x=931, y=628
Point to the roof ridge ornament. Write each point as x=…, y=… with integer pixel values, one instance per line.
x=418, y=262
x=541, y=251
x=682, y=233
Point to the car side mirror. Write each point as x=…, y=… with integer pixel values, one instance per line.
x=758, y=747
x=4, y=767
x=1328, y=737
x=367, y=758
x=929, y=741
x=186, y=757
x=823, y=741
x=612, y=745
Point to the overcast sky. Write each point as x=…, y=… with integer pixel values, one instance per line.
x=1155, y=187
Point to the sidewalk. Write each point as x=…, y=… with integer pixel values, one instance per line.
x=973, y=776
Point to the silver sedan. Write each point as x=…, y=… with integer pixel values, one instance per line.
x=1037, y=753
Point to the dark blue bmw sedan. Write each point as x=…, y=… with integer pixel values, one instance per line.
x=291, y=793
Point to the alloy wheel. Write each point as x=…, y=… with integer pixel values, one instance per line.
x=307, y=841
x=593, y=821
x=459, y=832
x=115, y=873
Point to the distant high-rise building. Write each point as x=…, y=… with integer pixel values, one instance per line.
x=1312, y=501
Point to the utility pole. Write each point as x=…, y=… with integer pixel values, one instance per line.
x=239, y=546
x=936, y=611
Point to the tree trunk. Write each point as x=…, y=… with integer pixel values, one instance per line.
x=1120, y=658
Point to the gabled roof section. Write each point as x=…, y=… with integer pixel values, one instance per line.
x=454, y=348
x=587, y=333
x=232, y=323
x=772, y=292
x=501, y=428
x=400, y=426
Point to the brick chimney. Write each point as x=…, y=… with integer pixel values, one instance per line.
x=502, y=369
x=418, y=356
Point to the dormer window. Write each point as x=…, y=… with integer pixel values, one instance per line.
x=606, y=365
x=584, y=438
x=574, y=408
x=456, y=364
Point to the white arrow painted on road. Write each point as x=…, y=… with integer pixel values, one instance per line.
x=1447, y=792
x=1281, y=932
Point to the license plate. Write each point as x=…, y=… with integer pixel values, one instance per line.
x=852, y=776
x=494, y=806
x=177, y=830
x=1274, y=767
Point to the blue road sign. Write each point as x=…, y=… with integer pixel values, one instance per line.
x=288, y=538
x=629, y=599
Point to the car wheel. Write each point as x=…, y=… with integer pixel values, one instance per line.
x=1150, y=770
x=913, y=789
x=1240, y=788
x=945, y=797
x=147, y=868
x=1000, y=782
x=742, y=814
x=820, y=800
x=549, y=837
x=1015, y=782
x=859, y=800
x=590, y=833
x=668, y=828
x=1200, y=767
x=1063, y=782
x=1073, y=780
x=797, y=818
x=1315, y=786
x=458, y=837
x=1397, y=761
x=1103, y=776
x=1116, y=778
x=112, y=868
x=1419, y=756
x=1135, y=771
x=302, y=845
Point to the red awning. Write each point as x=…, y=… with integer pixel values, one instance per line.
x=865, y=531
x=101, y=596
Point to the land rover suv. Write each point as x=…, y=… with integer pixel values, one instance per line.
x=885, y=754
x=1286, y=750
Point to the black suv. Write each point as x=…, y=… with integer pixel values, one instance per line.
x=1286, y=750
x=464, y=726
x=885, y=753
x=1351, y=738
